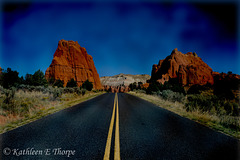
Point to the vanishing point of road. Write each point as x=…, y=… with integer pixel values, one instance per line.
x=116, y=126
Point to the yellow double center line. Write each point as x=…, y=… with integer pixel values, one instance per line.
x=109, y=138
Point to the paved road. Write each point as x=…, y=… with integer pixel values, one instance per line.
x=145, y=132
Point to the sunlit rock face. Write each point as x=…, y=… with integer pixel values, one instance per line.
x=70, y=60
x=188, y=68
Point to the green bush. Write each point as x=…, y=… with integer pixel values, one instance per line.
x=133, y=86
x=37, y=79
x=87, y=85
x=231, y=108
x=9, y=78
x=196, y=89
x=59, y=83
x=56, y=92
x=9, y=102
x=172, y=84
x=71, y=83
x=172, y=96
x=68, y=90
x=153, y=87
x=199, y=102
x=230, y=122
x=211, y=104
x=77, y=90
x=25, y=106
x=83, y=91
x=141, y=91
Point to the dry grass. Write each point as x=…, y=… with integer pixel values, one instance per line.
x=37, y=105
x=214, y=121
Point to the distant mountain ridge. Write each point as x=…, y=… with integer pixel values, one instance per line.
x=123, y=79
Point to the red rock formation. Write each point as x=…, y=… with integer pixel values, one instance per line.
x=72, y=61
x=188, y=68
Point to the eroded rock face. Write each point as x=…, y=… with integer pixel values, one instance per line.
x=188, y=68
x=123, y=79
x=72, y=61
x=120, y=82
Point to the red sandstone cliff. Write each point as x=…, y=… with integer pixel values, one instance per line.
x=188, y=68
x=72, y=61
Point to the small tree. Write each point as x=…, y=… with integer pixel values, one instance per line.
x=59, y=83
x=87, y=85
x=38, y=78
x=153, y=87
x=51, y=81
x=139, y=85
x=133, y=86
x=72, y=83
x=9, y=78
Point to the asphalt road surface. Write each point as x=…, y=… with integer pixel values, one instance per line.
x=136, y=130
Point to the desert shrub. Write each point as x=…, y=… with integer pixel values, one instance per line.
x=39, y=88
x=199, y=102
x=25, y=106
x=9, y=102
x=159, y=93
x=83, y=91
x=87, y=85
x=167, y=94
x=230, y=122
x=77, y=90
x=71, y=83
x=211, y=104
x=231, y=108
x=95, y=90
x=140, y=91
x=68, y=90
x=172, y=96
x=55, y=92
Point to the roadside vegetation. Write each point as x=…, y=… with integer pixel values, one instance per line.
x=23, y=100
x=215, y=106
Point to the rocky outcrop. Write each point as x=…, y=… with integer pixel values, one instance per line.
x=72, y=61
x=188, y=68
x=123, y=79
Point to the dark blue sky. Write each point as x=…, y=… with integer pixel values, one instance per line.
x=122, y=37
